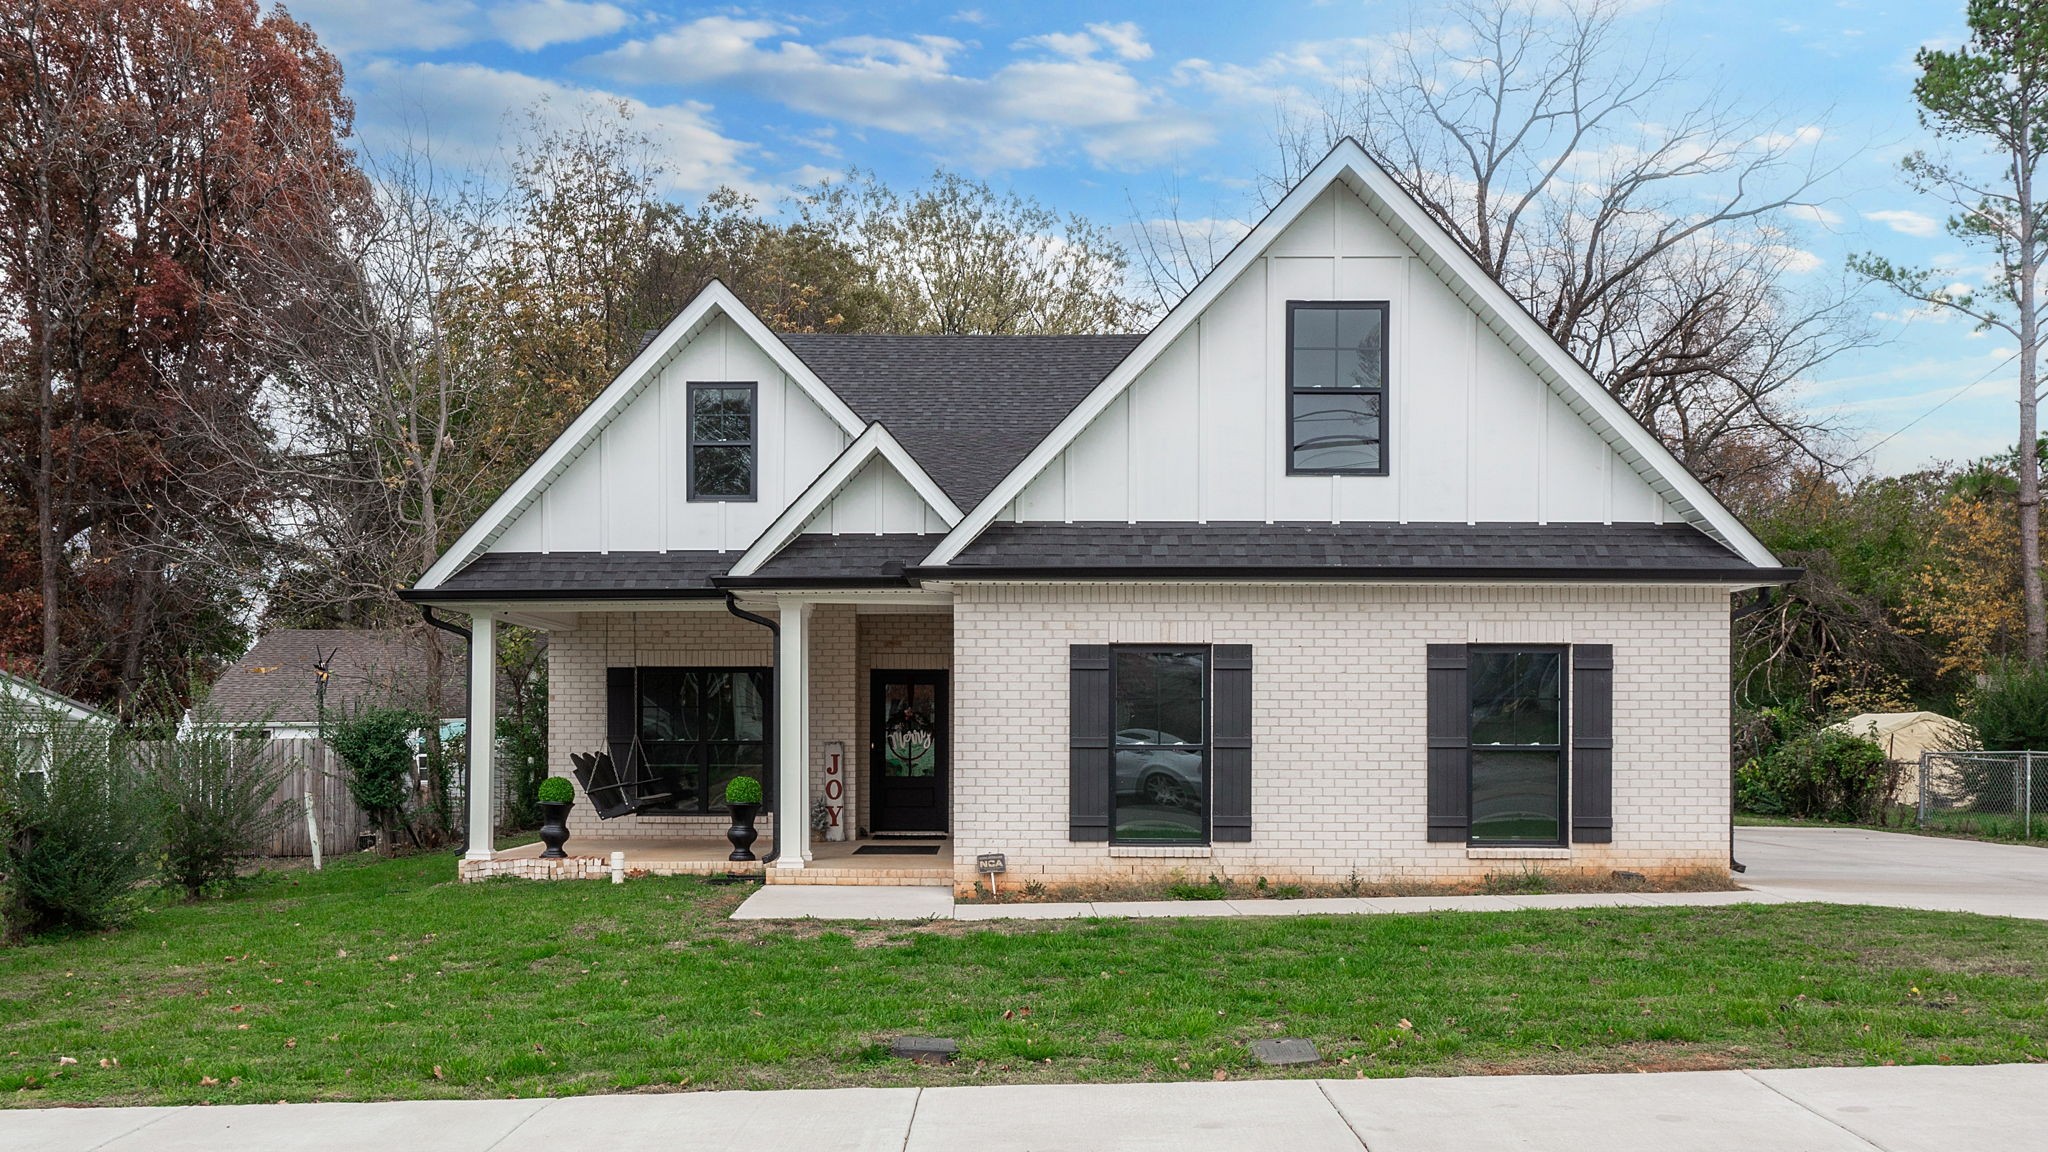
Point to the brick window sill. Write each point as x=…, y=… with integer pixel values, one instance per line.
x=1518, y=853
x=1137, y=851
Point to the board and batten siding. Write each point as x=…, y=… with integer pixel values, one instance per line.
x=1473, y=434
x=628, y=492
x=878, y=499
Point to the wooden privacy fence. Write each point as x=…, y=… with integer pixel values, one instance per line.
x=311, y=766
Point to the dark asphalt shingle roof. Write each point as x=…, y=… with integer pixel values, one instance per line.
x=275, y=683
x=968, y=408
x=1361, y=548
x=571, y=574
x=819, y=556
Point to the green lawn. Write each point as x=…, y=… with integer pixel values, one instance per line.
x=1994, y=827
x=386, y=979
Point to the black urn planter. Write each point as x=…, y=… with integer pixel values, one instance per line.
x=554, y=829
x=742, y=833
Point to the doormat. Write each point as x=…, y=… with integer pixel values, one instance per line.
x=908, y=835
x=897, y=850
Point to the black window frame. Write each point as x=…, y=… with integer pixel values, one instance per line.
x=1206, y=745
x=1563, y=747
x=752, y=443
x=1294, y=393
x=699, y=755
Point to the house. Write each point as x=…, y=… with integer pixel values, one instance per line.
x=33, y=719
x=1344, y=569
x=276, y=684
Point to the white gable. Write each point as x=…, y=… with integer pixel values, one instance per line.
x=872, y=488
x=1488, y=420
x=628, y=492
x=1473, y=434
x=878, y=499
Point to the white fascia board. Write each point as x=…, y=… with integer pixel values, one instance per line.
x=1349, y=163
x=876, y=441
x=714, y=301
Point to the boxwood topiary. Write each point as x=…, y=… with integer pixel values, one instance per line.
x=742, y=790
x=555, y=790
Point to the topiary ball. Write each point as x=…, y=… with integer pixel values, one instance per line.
x=743, y=790
x=556, y=790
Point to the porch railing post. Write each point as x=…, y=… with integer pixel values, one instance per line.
x=793, y=736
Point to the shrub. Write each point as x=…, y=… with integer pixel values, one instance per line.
x=1818, y=775
x=81, y=837
x=2010, y=712
x=375, y=745
x=523, y=750
x=555, y=790
x=216, y=796
x=742, y=790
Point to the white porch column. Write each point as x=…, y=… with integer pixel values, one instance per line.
x=483, y=728
x=793, y=735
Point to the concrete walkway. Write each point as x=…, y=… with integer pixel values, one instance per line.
x=1998, y=1108
x=1829, y=865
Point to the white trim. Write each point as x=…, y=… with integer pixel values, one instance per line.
x=876, y=441
x=1349, y=163
x=714, y=301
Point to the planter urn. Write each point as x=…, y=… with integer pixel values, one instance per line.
x=554, y=829
x=742, y=833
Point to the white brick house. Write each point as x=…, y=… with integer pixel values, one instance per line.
x=1344, y=569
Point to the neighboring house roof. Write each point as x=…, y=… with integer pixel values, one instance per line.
x=19, y=691
x=276, y=684
x=1349, y=550
x=1905, y=735
x=967, y=407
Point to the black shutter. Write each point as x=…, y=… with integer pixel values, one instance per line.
x=1088, y=739
x=621, y=716
x=1230, y=743
x=1592, y=692
x=1449, y=718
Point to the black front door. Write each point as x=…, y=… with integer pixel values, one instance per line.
x=907, y=751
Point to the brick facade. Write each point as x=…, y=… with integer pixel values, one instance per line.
x=1338, y=786
x=1338, y=783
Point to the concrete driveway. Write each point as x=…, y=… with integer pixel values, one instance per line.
x=1897, y=870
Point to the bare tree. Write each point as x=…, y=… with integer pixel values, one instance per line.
x=1652, y=241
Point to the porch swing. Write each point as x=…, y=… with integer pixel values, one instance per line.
x=617, y=791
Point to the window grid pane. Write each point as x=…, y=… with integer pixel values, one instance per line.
x=721, y=442
x=1161, y=762
x=1517, y=711
x=1336, y=374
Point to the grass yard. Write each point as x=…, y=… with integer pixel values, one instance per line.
x=1993, y=827
x=386, y=979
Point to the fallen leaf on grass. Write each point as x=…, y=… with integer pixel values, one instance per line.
x=207, y=1081
x=437, y=1072
x=67, y=1060
x=1220, y=1075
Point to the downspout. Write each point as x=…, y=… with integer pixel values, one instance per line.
x=773, y=767
x=468, y=721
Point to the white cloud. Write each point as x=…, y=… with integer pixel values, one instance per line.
x=462, y=109
x=358, y=27
x=1063, y=92
x=1815, y=214
x=534, y=24
x=1906, y=221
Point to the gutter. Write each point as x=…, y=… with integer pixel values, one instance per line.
x=774, y=752
x=468, y=693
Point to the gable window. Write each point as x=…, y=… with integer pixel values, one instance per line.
x=699, y=728
x=1517, y=731
x=1160, y=777
x=1337, y=388
x=722, y=441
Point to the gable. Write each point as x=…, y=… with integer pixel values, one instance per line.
x=1472, y=433
x=1488, y=419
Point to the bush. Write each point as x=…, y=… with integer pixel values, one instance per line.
x=216, y=796
x=742, y=790
x=523, y=750
x=375, y=745
x=2010, y=712
x=555, y=790
x=1817, y=775
x=81, y=833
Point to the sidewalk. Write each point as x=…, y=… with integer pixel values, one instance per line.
x=1997, y=1108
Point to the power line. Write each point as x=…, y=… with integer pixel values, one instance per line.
x=1952, y=397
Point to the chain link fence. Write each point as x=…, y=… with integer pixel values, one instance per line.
x=2003, y=795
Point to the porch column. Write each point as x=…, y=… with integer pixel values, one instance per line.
x=793, y=735
x=483, y=711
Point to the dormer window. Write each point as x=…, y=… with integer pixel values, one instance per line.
x=722, y=441
x=1337, y=388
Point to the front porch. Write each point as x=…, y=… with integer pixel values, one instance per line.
x=685, y=695
x=844, y=862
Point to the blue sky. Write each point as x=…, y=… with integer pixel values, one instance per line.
x=1090, y=107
